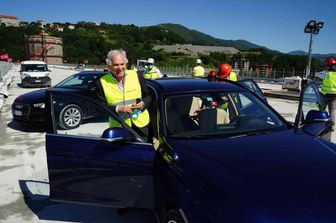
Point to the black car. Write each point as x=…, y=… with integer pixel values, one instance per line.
x=30, y=107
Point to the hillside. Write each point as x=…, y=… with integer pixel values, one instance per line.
x=199, y=38
x=89, y=42
x=317, y=55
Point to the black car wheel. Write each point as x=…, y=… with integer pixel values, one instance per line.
x=173, y=216
x=71, y=116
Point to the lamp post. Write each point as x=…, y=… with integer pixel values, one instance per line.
x=312, y=27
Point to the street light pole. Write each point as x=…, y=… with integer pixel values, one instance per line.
x=309, y=55
x=312, y=27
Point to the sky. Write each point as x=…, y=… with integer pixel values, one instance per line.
x=275, y=24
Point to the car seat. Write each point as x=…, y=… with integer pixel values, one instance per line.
x=178, y=118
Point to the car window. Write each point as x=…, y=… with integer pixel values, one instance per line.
x=311, y=101
x=77, y=116
x=244, y=101
x=219, y=114
x=252, y=86
x=81, y=81
x=34, y=67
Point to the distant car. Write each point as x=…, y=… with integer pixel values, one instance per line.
x=30, y=107
x=35, y=73
x=215, y=152
x=80, y=66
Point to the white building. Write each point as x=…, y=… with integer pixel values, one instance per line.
x=9, y=20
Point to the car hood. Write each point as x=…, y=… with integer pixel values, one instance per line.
x=38, y=96
x=33, y=96
x=285, y=176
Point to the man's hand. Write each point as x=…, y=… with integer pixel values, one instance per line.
x=124, y=109
x=139, y=105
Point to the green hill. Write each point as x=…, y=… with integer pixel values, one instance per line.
x=198, y=38
x=88, y=41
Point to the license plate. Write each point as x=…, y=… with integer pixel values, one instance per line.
x=37, y=81
x=18, y=113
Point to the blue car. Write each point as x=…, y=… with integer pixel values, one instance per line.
x=215, y=152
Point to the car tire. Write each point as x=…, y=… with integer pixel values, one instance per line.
x=70, y=117
x=173, y=216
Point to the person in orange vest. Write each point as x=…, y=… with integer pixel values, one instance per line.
x=225, y=72
x=125, y=92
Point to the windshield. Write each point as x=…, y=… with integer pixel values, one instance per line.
x=79, y=80
x=219, y=114
x=34, y=67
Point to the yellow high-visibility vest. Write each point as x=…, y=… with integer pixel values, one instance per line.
x=233, y=76
x=115, y=96
x=151, y=74
x=329, y=83
x=198, y=71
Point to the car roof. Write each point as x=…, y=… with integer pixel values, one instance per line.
x=91, y=72
x=175, y=85
x=97, y=74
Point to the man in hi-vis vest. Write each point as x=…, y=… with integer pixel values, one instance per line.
x=329, y=89
x=125, y=92
x=151, y=71
x=198, y=71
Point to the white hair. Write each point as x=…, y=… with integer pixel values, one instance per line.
x=113, y=53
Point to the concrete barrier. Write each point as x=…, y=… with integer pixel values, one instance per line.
x=6, y=76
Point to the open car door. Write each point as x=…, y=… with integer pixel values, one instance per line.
x=253, y=86
x=93, y=163
x=311, y=116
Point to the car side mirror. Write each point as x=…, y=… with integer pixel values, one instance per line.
x=117, y=135
x=318, y=123
x=317, y=116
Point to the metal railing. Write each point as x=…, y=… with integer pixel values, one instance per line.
x=274, y=75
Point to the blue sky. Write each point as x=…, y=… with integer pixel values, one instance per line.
x=275, y=24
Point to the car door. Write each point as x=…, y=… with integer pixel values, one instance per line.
x=253, y=86
x=96, y=164
x=311, y=116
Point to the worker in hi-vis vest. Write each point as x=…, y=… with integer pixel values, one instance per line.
x=125, y=92
x=225, y=71
x=198, y=71
x=329, y=89
x=151, y=71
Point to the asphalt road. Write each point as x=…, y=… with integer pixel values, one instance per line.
x=24, y=184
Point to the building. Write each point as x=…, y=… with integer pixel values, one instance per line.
x=9, y=20
x=45, y=48
x=264, y=70
x=195, y=50
x=242, y=65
